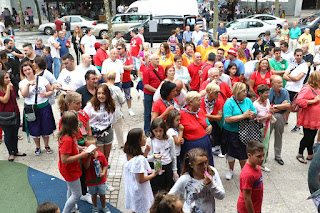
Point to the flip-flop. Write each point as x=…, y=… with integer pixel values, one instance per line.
x=22, y=155
x=299, y=158
x=20, y=138
x=309, y=159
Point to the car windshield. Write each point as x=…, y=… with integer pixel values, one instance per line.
x=87, y=18
x=251, y=16
x=310, y=19
x=232, y=24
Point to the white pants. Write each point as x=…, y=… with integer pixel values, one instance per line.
x=119, y=133
x=73, y=195
x=293, y=44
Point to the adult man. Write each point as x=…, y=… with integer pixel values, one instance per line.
x=257, y=46
x=152, y=77
x=86, y=64
x=140, y=34
x=101, y=54
x=70, y=78
x=317, y=40
x=200, y=42
x=308, y=58
x=232, y=55
x=88, y=90
x=220, y=55
x=305, y=38
x=87, y=43
x=55, y=53
x=295, y=33
x=38, y=48
x=213, y=50
x=64, y=44
x=206, y=66
x=29, y=53
x=113, y=64
x=286, y=53
x=243, y=45
x=279, y=97
x=67, y=27
x=204, y=47
x=234, y=42
x=220, y=30
x=127, y=63
x=224, y=43
x=278, y=64
x=135, y=48
x=14, y=56
x=181, y=93
x=117, y=37
x=267, y=42
x=196, y=35
x=58, y=24
x=195, y=72
x=187, y=35
x=223, y=77
x=187, y=57
x=295, y=76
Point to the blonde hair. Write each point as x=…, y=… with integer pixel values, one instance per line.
x=261, y=60
x=241, y=53
x=65, y=99
x=90, y=140
x=237, y=88
x=105, y=36
x=111, y=75
x=212, y=88
x=191, y=96
x=314, y=79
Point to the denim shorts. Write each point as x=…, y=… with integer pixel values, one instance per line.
x=127, y=89
x=136, y=63
x=98, y=189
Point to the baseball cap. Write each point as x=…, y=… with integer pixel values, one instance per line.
x=233, y=51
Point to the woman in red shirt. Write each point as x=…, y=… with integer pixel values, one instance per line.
x=261, y=76
x=233, y=73
x=196, y=127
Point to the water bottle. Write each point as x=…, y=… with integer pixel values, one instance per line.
x=97, y=167
x=157, y=165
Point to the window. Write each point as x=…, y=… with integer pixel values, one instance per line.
x=118, y=19
x=144, y=17
x=75, y=19
x=255, y=24
x=133, y=18
x=167, y=21
x=268, y=18
x=241, y=25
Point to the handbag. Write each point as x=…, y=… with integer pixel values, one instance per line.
x=30, y=110
x=249, y=130
x=294, y=107
x=9, y=118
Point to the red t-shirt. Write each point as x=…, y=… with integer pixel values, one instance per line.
x=205, y=69
x=194, y=127
x=10, y=106
x=159, y=106
x=69, y=171
x=135, y=46
x=225, y=91
x=217, y=106
x=195, y=72
x=256, y=76
x=143, y=68
x=235, y=79
x=91, y=178
x=58, y=24
x=251, y=178
x=100, y=56
x=149, y=77
x=126, y=60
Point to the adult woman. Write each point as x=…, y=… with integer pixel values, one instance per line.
x=261, y=76
x=284, y=34
x=169, y=73
x=242, y=55
x=119, y=99
x=233, y=73
x=145, y=51
x=172, y=41
x=44, y=125
x=8, y=103
x=232, y=113
x=179, y=49
x=196, y=128
x=178, y=35
x=308, y=116
x=76, y=39
x=262, y=106
x=166, y=56
x=181, y=72
x=212, y=106
x=167, y=102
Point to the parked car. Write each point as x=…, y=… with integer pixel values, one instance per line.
x=312, y=22
x=164, y=26
x=248, y=29
x=269, y=19
x=120, y=23
x=75, y=20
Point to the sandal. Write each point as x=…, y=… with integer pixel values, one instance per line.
x=20, y=154
x=301, y=159
x=20, y=138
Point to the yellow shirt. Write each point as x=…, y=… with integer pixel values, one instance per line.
x=307, y=38
x=200, y=49
x=226, y=48
x=168, y=61
x=205, y=58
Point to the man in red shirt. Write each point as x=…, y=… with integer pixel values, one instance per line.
x=152, y=77
x=127, y=62
x=251, y=182
x=206, y=66
x=195, y=72
x=101, y=54
x=58, y=24
x=136, y=48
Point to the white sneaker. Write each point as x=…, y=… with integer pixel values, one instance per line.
x=131, y=112
x=87, y=198
x=221, y=155
x=109, y=187
x=265, y=169
x=229, y=174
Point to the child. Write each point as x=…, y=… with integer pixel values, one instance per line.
x=199, y=183
x=163, y=202
x=175, y=130
x=72, y=101
x=48, y=207
x=162, y=148
x=251, y=183
x=139, y=197
x=252, y=95
x=69, y=156
x=48, y=58
x=233, y=73
x=96, y=182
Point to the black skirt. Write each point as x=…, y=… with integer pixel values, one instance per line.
x=232, y=145
x=163, y=181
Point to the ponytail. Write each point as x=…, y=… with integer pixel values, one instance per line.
x=65, y=99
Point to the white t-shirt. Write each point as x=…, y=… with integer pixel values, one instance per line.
x=197, y=36
x=181, y=98
x=42, y=83
x=55, y=53
x=52, y=80
x=109, y=65
x=249, y=68
x=88, y=43
x=224, y=77
x=1, y=27
x=199, y=197
x=183, y=75
x=288, y=56
x=262, y=110
x=172, y=132
x=139, y=196
x=71, y=79
x=295, y=86
x=119, y=98
x=99, y=119
x=85, y=69
x=316, y=59
x=142, y=37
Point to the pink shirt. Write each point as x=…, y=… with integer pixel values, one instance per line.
x=262, y=110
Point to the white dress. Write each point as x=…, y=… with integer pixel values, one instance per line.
x=139, y=197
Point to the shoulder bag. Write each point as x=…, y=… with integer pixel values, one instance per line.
x=30, y=110
x=9, y=118
x=294, y=107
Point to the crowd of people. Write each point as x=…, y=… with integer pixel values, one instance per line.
x=199, y=101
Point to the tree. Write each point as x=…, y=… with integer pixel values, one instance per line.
x=215, y=18
x=38, y=11
x=256, y=6
x=276, y=5
x=21, y=15
x=108, y=17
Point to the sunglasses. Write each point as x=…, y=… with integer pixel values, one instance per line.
x=119, y=48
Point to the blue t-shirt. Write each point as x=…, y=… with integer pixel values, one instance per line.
x=49, y=62
x=294, y=33
x=275, y=99
x=187, y=36
x=238, y=62
x=63, y=49
x=231, y=108
x=221, y=31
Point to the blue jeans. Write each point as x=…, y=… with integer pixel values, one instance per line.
x=56, y=67
x=148, y=100
x=136, y=63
